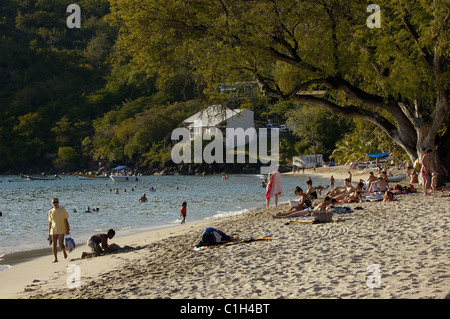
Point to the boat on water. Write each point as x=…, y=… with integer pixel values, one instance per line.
x=23, y=179
x=41, y=177
x=396, y=178
x=90, y=177
x=123, y=177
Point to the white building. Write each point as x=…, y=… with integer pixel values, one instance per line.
x=308, y=161
x=221, y=117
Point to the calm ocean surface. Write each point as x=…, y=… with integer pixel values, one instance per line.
x=25, y=205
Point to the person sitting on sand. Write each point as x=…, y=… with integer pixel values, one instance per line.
x=346, y=190
x=414, y=178
x=379, y=186
x=339, y=190
x=312, y=191
x=388, y=197
x=360, y=186
x=98, y=243
x=371, y=179
x=303, y=202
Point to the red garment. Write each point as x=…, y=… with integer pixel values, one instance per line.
x=183, y=212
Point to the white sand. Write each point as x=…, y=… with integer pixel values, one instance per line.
x=407, y=239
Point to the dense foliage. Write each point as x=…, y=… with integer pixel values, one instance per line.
x=65, y=102
x=112, y=91
x=395, y=77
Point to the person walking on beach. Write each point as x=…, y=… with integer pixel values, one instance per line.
x=58, y=227
x=331, y=182
x=183, y=212
x=273, y=187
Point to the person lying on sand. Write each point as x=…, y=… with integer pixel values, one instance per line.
x=98, y=243
x=340, y=192
x=354, y=197
x=327, y=204
x=212, y=236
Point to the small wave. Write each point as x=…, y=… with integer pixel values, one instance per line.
x=4, y=267
x=220, y=214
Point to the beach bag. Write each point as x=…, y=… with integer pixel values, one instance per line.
x=69, y=242
x=323, y=217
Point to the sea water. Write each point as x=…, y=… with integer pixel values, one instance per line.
x=25, y=205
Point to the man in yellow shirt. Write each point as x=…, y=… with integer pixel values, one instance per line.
x=58, y=227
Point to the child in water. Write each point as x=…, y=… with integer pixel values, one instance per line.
x=183, y=212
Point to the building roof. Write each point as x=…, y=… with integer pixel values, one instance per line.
x=211, y=116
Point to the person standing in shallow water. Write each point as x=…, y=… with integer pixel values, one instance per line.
x=58, y=227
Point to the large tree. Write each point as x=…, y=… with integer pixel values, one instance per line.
x=395, y=76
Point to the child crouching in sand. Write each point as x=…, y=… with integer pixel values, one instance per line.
x=98, y=243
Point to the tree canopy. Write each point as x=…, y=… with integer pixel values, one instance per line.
x=395, y=77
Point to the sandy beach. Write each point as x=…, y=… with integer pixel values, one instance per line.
x=383, y=250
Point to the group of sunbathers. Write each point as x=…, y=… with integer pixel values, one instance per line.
x=303, y=207
x=345, y=194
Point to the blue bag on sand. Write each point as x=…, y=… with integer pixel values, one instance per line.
x=69, y=243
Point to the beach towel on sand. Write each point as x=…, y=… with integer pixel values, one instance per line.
x=373, y=197
x=241, y=241
x=293, y=222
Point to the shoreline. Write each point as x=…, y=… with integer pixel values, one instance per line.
x=20, y=277
x=407, y=239
x=11, y=258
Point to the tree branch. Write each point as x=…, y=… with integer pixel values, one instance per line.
x=349, y=111
x=412, y=31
